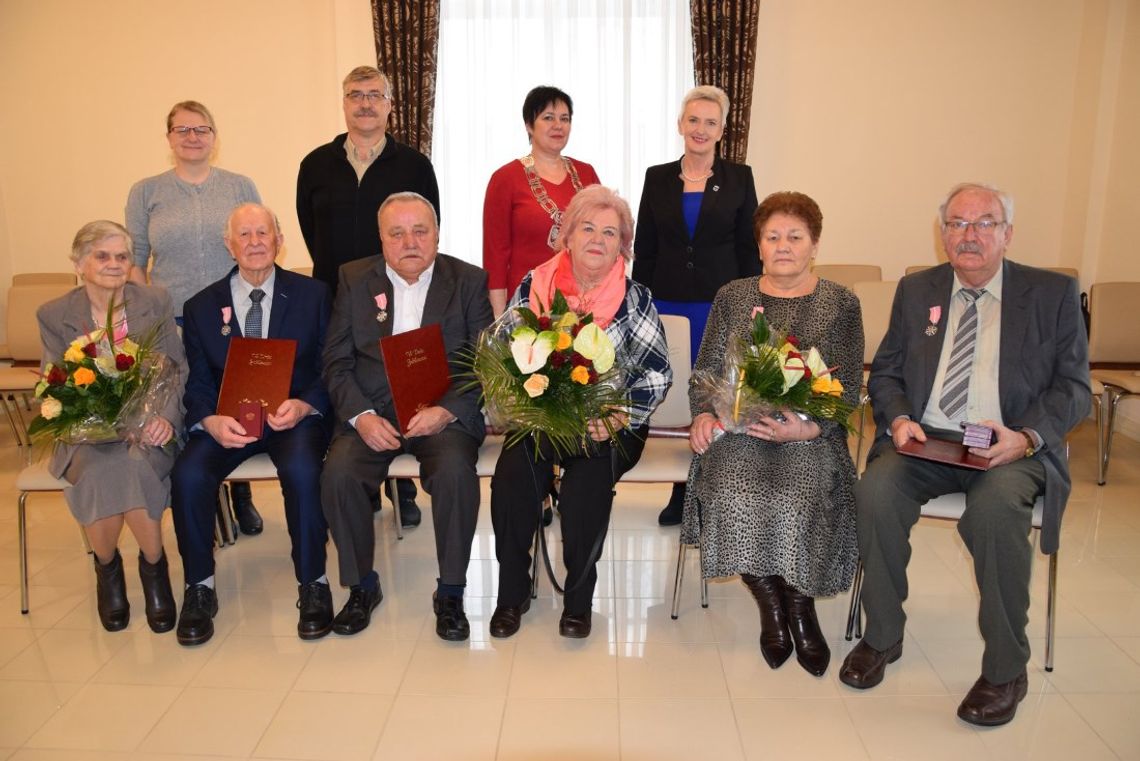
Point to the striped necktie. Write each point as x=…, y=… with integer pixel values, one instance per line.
x=253, y=316
x=956, y=384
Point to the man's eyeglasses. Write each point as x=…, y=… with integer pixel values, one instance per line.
x=202, y=131
x=981, y=226
x=374, y=96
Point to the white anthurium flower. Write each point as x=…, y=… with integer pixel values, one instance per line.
x=815, y=363
x=593, y=344
x=793, y=371
x=530, y=349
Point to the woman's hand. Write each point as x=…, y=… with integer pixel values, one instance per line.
x=701, y=432
x=792, y=428
x=157, y=431
x=597, y=428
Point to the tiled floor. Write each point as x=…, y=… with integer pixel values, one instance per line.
x=642, y=687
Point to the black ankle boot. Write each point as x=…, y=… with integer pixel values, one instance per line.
x=775, y=641
x=249, y=520
x=811, y=647
x=161, y=612
x=111, y=593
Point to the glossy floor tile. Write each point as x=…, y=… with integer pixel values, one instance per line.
x=642, y=687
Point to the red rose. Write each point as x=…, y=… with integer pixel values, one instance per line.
x=577, y=360
x=557, y=359
x=593, y=375
x=123, y=362
x=793, y=341
x=57, y=376
x=544, y=323
x=89, y=350
x=807, y=373
x=576, y=329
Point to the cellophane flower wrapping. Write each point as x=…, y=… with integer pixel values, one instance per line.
x=548, y=373
x=104, y=388
x=765, y=373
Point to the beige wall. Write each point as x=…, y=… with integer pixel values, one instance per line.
x=874, y=108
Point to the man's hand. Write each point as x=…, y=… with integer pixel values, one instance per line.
x=291, y=412
x=1010, y=445
x=701, y=432
x=157, y=431
x=903, y=430
x=227, y=431
x=377, y=433
x=429, y=421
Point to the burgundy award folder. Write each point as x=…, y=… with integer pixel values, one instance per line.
x=258, y=370
x=946, y=452
x=416, y=364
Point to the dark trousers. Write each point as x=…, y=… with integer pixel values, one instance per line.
x=995, y=528
x=350, y=486
x=204, y=464
x=586, y=495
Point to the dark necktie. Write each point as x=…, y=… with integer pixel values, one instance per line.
x=253, y=316
x=956, y=384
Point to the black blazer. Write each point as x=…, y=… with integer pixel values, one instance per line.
x=677, y=268
x=1043, y=370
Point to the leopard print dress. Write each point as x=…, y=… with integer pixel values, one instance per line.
x=784, y=509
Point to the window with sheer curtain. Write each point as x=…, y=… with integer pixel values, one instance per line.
x=625, y=63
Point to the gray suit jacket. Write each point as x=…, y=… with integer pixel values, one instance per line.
x=68, y=317
x=353, y=365
x=1043, y=370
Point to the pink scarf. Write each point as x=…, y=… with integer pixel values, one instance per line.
x=557, y=273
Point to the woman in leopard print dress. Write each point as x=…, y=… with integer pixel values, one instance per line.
x=775, y=504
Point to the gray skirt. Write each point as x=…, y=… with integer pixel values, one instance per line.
x=113, y=478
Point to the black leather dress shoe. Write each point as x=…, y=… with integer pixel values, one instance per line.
x=671, y=515
x=196, y=621
x=991, y=705
x=356, y=614
x=864, y=666
x=314, y=600
x=249, y=520
x=507, y=619
x=410, y=515
x=574, y=625
x=450, y=621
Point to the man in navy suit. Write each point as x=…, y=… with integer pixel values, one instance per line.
x=978, y=340
x=256, y=300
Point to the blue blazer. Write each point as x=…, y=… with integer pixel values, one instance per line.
x=301, y=307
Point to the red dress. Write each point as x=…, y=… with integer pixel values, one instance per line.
x=515, y=228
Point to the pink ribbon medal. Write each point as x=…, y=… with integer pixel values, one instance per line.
x=935, y=316
x=382, y=306
x=227, y=313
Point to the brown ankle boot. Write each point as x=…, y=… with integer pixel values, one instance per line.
x=161, y=612
x=111, y=594
x=811, y=647
x=775, y=642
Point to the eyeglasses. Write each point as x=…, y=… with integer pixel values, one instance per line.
x=202, y=131
x=374, y=96
x=981, y=226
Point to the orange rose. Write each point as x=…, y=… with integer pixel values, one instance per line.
x=83, y=376
x=580, y=375
x=564, y=341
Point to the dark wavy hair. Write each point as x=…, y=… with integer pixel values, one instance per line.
x=539, y=98
x=793, y=204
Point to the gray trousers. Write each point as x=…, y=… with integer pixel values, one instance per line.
x=350, y=485
x=995, y=528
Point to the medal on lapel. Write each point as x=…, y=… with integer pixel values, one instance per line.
x=227, y=312
x=382, y=306
x=935, y=316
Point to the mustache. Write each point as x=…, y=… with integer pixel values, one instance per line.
x=968, y=247
x=365, y=112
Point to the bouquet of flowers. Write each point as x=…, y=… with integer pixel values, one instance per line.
x=548, y=373
x=768, y=372
x=104, y=388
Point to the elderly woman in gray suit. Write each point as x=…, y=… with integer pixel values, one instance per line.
x=116, y=483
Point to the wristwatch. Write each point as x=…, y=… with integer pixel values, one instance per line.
x=1030, y=444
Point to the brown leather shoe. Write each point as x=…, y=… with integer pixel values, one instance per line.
x=990, y=705
x=575, y=625
x=864, y=666
x=507, y=619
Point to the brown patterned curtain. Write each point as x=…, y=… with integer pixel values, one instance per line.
x=407, y=43
x=724, y=54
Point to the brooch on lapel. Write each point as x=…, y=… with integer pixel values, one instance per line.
x=227, y=312
x=716, y=188
x=382, y=305
x=935, y=316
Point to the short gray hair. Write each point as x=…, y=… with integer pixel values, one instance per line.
x=408, y=195
x=250, y=205
x=93, y=232
x=365, y=73
x=710, y=93
x=1005, y=199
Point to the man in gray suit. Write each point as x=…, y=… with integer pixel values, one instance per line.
x=979, y=340
x=409, y=286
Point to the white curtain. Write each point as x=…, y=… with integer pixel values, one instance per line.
x=625, y=63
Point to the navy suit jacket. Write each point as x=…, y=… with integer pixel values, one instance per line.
x=1043, y=370
x=301, y=307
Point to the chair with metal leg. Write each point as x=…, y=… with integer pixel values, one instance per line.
x=1114, y=356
